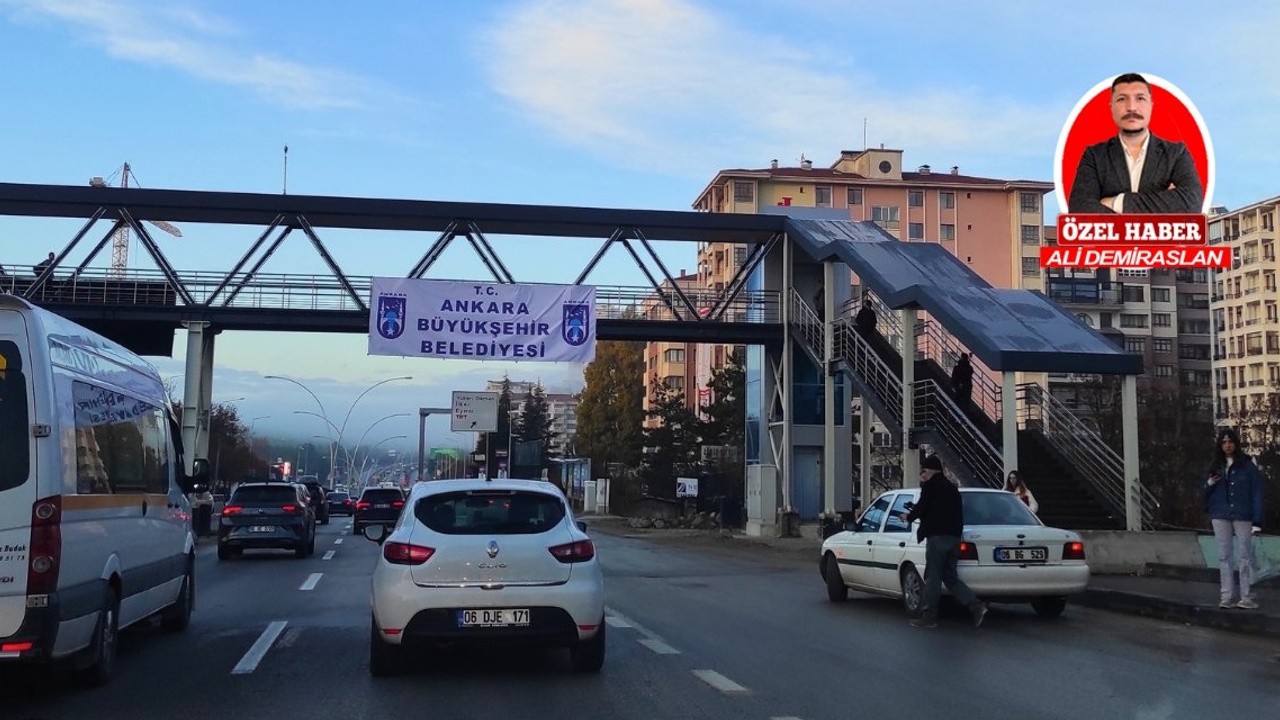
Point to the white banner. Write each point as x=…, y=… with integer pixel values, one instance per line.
x=482, y=321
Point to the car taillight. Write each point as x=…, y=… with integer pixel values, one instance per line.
x=1073, y=551
x=580, y=551
x=405, y=554
x=292, y=509
x=398, y=503
x=17, y=646
x=968, y=551
x=231, y=510
x=362, y=505
x=46, y=546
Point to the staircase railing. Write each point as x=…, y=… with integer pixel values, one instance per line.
x=932, y=407
x=1101, y=466
x=933, y=342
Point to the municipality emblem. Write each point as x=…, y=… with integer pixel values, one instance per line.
x=391, y=316
x=575, y=329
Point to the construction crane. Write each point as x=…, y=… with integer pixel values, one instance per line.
x=120, y=242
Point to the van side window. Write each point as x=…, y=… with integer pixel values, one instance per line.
x=120, y=443
x=15, y=432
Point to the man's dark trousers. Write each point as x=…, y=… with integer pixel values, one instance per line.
x=941, y=554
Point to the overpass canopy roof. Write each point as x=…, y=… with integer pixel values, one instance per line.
x=1016, y=330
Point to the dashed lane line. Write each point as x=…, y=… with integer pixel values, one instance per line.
x=311, y=582
x=720, y=682
x=659, y=647
x=617, y=621
x=653, y=640
x=338, y=541
x=329, y=555
x=250, y=661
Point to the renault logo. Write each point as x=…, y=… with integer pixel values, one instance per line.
x=492, y=549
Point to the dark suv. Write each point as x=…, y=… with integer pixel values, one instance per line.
x=269, y=516
x=377, y=506
x=340, y=503
x=318, y=500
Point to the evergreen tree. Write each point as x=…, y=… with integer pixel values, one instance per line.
x=501, y=436
x=611, y=407
x=727, y=413
x=671, y=446
x=534, y=430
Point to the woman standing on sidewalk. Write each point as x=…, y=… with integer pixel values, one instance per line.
x=1015, y=485
x=1233, y=499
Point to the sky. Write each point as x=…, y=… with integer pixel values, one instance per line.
x=608, y=103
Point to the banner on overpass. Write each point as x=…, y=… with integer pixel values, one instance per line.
x=482, y=321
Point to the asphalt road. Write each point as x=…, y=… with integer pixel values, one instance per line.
x=697, y=630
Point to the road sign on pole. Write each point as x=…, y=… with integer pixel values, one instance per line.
x=474, y=412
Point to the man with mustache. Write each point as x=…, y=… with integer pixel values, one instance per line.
x=1135, y=171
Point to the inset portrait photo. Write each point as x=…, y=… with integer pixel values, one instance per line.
x=1135, y=144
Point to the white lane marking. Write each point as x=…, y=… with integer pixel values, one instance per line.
x=311, y=582
x=250, y=661
x=338, y=541
x=719, y=682
x=329, y=555
x=617, y=621
x=290, y=637
x=659, y=647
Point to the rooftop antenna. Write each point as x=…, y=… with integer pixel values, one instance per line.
x=285, y=188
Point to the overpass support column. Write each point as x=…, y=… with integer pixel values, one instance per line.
x=193, y=391
x=1009, y=417
x=206, y=393
x=910, y=454
x=864, y=452
x=1132, y=484
x=830, y=443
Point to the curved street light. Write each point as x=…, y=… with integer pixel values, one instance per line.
x=304, y=387
x=368, y=454
x=356, y=452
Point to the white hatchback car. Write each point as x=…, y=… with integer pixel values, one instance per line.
x=486, y=561
x=1006, y=555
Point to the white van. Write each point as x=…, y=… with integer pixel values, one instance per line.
x=95, y=531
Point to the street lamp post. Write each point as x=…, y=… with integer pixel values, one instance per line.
x=350, y=459
x=369, y=453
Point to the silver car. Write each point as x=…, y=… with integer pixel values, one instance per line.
x=486, y=562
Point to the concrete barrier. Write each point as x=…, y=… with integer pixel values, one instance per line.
x=1116, y=552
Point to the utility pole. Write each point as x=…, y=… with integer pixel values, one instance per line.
x=285, y=187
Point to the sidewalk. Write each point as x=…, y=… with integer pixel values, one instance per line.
x=1178, y=594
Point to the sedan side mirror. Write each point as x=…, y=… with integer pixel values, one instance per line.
x=376, y=533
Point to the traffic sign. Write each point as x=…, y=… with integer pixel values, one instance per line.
x=474, y=412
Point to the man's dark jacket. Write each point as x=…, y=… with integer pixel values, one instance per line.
x=939, y=510
x=1103, y=172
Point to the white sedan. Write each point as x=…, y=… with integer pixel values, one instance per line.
x=490, y=562
x=1006, y=555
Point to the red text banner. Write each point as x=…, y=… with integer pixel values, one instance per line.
x=1135, y=256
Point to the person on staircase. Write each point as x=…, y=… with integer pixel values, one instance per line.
x=1017, y=486
x=865, y=321
x=962, y=381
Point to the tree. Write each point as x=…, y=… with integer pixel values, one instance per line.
x=671, y=446
x=727, y=413
x=611, y=407
x=534, y=427
x=501, y=436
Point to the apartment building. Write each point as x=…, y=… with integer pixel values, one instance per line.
x=1161, y=314
x=1246, y=356
x=671, y=364
x=562, y=408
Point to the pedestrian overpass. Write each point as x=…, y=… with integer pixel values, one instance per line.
x=800, y=441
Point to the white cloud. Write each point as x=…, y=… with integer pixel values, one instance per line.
x=667, y=85
x=197, y=43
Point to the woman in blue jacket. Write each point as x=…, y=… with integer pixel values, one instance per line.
x=1233, y=499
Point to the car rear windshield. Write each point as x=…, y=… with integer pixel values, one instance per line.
x=490, y=512
x=264, y=495
x=987, y=508
x=382, y=495
x=338, y=497
x=15, y=459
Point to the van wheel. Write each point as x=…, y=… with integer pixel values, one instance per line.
x=384, y=658
x=912, y=590
x=588, y=655
x=177, y=616
x=837, y=591
x=103, y=650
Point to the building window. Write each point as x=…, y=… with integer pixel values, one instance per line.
x=1030, y=266
x=673, y=382
x=1030, y=202
x=1160, y=295
x=1194, y=301
x=947, y=231
x=1130, y=272
x=915, y=231
x=915, y=198
x=1135, y=345
x=1132, y=293
x=675, y=355
x=947, y=200
x=1030, y=234
x=854, y=196
x=743, y=191
x=1193, y=327
x=886, y=217
x=1162, y=346
x=1161, y=320
x=1187, y=351
x=1164, y=371
x=1128, y=320
x=822, y=196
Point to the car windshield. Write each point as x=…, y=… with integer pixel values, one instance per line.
x=990, y=508
x=382, y=496
x=505, y=512
x=263, y=494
